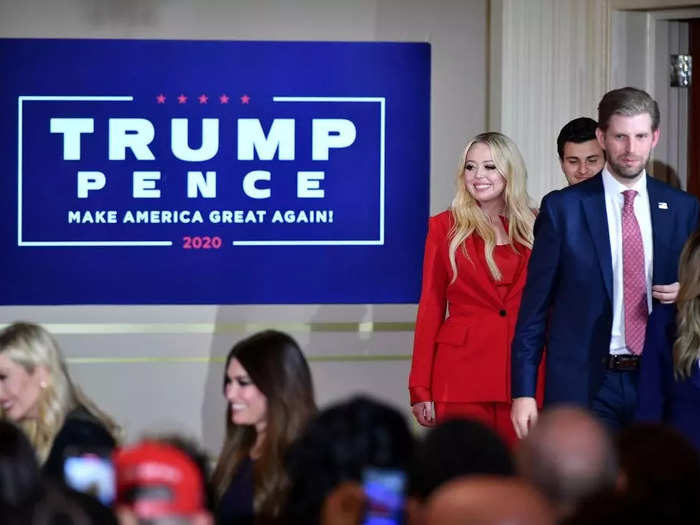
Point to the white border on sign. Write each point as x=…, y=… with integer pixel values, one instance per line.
x=20, y=241
x=382, y=134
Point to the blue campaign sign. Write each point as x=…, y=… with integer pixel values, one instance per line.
x=184, y=172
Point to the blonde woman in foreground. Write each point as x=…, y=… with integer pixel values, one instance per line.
x=669, y=378
x=475, y=264
x=37, y=393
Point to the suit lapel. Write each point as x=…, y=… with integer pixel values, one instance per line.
x=475, y=248
x=519, y=278
x=661, y=224
x=597, y=219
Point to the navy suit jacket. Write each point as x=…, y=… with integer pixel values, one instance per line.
x=567, y=301
x=662, y=398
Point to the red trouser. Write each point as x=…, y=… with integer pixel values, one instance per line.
x=494, y=415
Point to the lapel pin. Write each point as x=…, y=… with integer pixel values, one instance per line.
x=663, y=206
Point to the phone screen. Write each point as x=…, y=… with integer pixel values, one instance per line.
x=385, y=496
x=91, y=473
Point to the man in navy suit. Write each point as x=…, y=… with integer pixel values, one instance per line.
x=580, y=301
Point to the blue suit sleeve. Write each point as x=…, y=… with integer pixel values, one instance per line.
x=530, y=330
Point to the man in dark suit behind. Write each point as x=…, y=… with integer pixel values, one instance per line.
x=603, y=249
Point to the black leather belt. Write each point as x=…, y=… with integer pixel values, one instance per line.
x=624, y=362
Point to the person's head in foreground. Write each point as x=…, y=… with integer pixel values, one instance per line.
x=360, y=440
x=456, y=448
x=568, y=456
x=488, y=500
x=159, y=484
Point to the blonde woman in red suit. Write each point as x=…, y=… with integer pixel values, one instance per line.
x=474, y=271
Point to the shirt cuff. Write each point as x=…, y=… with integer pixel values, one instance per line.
x=420, y=394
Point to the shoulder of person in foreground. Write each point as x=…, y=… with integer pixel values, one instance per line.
x=80, y=430
x=84, y=428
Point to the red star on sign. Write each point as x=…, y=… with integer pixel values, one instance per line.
x=203, y=98
x=245, y=99
x=224, y=98
x=181, y=99
x=161, y=99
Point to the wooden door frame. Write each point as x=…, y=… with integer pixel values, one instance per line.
x=694, y=110
x=655, y=11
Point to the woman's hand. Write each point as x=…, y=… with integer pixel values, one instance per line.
x=666, y=293
x=424, y=412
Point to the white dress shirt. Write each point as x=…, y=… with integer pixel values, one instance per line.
x=614, y=201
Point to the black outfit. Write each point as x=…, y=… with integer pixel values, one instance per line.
x=80, y=430
x=236, y=505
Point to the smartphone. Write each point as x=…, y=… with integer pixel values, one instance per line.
x=384, y=489
x=92, y=472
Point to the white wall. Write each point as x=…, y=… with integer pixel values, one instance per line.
x=552, y=60
x=159, y=368
x=547, y=67
x=640, y=56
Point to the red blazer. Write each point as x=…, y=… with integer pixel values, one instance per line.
x=466, y=357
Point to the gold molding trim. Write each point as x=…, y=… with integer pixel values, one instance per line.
x=224, y=328
x=341, y=358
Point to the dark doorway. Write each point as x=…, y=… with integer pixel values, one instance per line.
x=694, y=110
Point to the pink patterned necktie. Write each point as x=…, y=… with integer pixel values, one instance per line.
x=633, y=277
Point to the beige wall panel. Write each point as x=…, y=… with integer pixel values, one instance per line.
x=548, y=67
x=186, y=397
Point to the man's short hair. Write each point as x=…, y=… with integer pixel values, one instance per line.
x=337, y=446
x=455, y=448
x=629, y=102
x=579, y=130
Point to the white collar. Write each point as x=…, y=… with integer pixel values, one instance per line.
x=614, y=187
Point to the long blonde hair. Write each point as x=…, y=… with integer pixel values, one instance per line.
x=30, y=346
x=686, y=349
x=468, y=216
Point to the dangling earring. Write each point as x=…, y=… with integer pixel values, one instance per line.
x=43, y=385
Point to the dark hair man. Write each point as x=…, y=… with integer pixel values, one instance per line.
x=580, y=154
x=326, y=463
x=604, y=248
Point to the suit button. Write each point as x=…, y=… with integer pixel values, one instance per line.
x=502, y=313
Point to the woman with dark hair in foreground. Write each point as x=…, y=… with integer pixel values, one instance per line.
x=270, y=399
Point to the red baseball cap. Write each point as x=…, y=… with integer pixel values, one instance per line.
x=156, y=479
